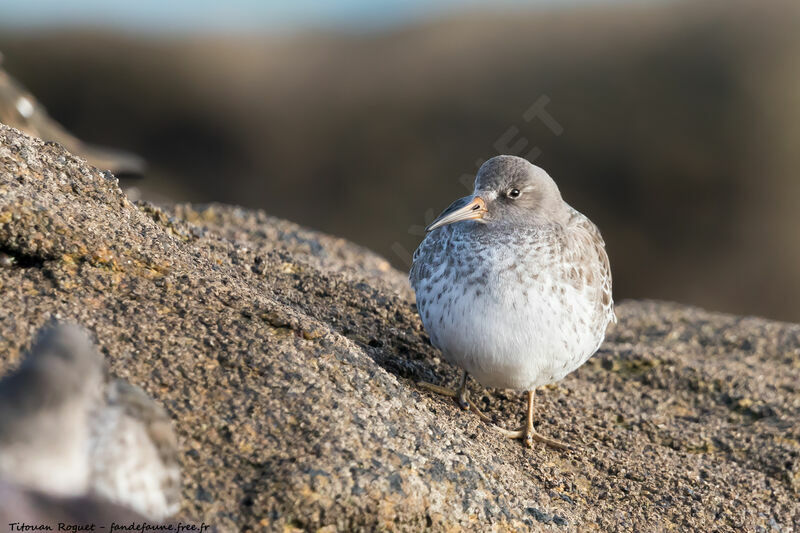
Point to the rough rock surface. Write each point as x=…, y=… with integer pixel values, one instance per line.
x=288, y=361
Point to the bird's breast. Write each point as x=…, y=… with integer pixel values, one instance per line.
x=509, y=315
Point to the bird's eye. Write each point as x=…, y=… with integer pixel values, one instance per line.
x=514, y=193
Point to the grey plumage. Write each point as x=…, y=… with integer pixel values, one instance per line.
x=65, y=432
x=513, y=285
x=44, y=405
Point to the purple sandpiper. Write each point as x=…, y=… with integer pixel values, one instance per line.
x=65, y=431
x=513, y=285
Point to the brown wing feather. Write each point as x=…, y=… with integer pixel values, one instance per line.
x=592, y=252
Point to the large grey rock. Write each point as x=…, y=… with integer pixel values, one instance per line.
x=287, y=360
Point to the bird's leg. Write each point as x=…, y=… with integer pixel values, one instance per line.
x=529, y=419
x=529, y=434
x=461, y=395
x=526, y=432
x=438, y=389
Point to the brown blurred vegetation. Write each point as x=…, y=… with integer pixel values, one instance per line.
x=681, y=124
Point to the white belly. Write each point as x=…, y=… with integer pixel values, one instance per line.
x=509, y=334
x=53, y=455
x=127, y=467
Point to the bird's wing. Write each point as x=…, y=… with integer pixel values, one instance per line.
x=593, y=252
x=431, y=247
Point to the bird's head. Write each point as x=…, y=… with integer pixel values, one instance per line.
x=508, y=189
x=63, y=354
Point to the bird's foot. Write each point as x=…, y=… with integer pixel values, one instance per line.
x=525, y=433
x=529, y=436
x=461, y=397
x=438, y=389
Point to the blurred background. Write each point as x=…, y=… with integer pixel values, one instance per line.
x=674, y=125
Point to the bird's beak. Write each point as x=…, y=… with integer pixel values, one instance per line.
x=467, y=208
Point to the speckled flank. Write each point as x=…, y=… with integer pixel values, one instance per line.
x=522, y=299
